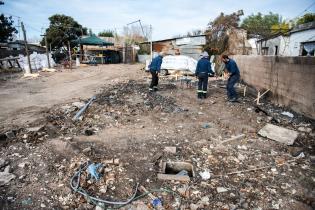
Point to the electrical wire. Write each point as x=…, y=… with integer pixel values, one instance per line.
x=75, y=185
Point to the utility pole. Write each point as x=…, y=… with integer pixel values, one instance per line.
x=151, y=53
x=70, y=60
x=46, y=43
x=47, y=54
x=27, y=71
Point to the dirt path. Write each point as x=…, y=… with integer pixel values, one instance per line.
x=22, y=99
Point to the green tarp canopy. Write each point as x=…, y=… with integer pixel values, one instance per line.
x=93, y=40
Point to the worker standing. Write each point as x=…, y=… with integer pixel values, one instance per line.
x=155, y=67
x=234, y=76
x=203, y=70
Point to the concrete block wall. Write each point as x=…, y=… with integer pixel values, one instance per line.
x=290, y=79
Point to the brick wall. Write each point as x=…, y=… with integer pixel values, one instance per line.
x=290, y=79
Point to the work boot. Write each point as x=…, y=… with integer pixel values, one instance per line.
x=150, y=89
x=204, y=95
x=233, y=100
x=155, y=88
x=200, y=95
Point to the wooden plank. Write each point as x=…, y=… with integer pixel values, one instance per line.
x=279, y=134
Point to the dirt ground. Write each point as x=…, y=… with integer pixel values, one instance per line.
x=44, y=147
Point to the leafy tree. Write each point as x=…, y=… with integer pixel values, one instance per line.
x=260, y=25
x=308, y=17
x=282, y=28
x=106, y=33
x=194, y=32
x=62, y=29
x=90, y=32
x=217, y=32
x=7, y=30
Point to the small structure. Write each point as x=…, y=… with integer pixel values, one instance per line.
x=17, y=47
x=300, y=41
x=191, y=46
x=97, y=49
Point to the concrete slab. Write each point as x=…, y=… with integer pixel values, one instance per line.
x=279, y=134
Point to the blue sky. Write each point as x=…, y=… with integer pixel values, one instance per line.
x=167, y=17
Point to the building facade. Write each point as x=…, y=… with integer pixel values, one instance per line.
x=298, y=42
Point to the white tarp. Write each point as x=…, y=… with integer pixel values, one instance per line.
x=38, y=61
x=179, y=62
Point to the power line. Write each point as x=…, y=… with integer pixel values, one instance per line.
x=35, y=29
x=307, y=8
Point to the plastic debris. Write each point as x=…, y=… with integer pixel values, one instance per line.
x=206, y=125
x=205, y=175
x=93, y=170
x=156, y=202
x=289, y=114
x=301, y=155
x=221, y=189
x=182, y=173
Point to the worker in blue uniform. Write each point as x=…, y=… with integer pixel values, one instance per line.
x=234, y=76
x=155, y=67
x=203, y=70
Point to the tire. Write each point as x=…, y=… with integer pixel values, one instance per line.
x=164, y=72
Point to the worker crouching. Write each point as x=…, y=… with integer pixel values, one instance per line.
x=203, y=70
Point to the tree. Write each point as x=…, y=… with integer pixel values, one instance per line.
x=217, y=32
x=7, y=30
x=308, y=17
x=260, y=25
x=135, y=34
x=106, y=33
x=194, y=32
x=62, y=29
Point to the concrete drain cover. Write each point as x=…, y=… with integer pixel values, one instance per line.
x=178, y=171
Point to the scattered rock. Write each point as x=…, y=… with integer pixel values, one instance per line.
x=280, y=134
x=23, y=164
x=221, y=189
x=305, y=129
x=6, y=176
x=194, y=206
x=184, y=191
x=10, y=135
x=204, y=201
x=3, y=162
x=87, y=150
x=78, y=104
x=34, y=129
x=170, y=150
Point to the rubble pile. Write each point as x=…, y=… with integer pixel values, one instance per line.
x=114, y=106
x=232, y=166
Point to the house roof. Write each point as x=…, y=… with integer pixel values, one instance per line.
x=303, y=27
x=298, y=28
x=271, y=37
x=165, y=40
